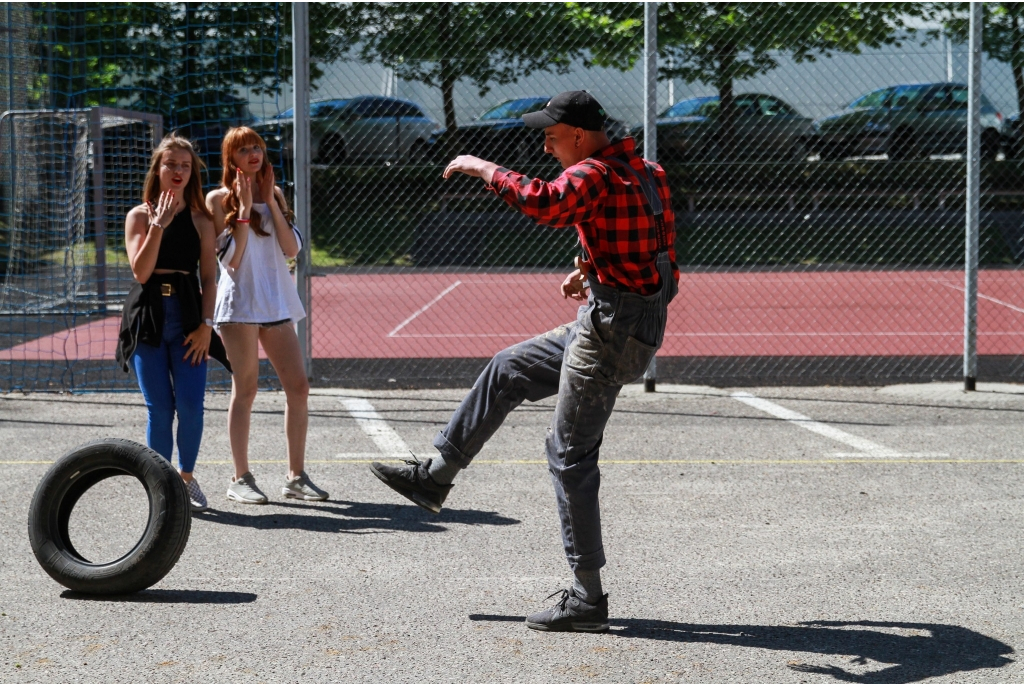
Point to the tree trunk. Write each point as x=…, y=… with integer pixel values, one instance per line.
x=188, y=87
x=1017, y=63
x=726, y=102
x=447, y=73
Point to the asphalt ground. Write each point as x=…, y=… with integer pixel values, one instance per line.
x=776, y=535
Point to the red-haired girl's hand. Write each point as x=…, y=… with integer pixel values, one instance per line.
x=266, y=181
x=243, y=191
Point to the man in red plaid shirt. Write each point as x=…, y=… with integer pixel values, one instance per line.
x=621, y=207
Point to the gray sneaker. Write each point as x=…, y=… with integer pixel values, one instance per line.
x=301, y=487
x=244, y=490
x=196, y=496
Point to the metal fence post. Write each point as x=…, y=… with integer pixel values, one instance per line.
x=651, y=124
x=99, y=208
x=973, y=201
x=300, y=131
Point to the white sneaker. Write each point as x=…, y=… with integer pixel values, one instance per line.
x=196, y=496
x=244, y=490
x=301, y=487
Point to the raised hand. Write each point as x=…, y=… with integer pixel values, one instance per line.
x=471, y=166
x=243, y=190
x=163, y=214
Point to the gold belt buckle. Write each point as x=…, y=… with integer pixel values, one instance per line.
x=166, y=290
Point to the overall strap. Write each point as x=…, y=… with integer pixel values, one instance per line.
x=651, y=197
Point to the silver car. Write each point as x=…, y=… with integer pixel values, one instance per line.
x=367, y=128
x=764, y=127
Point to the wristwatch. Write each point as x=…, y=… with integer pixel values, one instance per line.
x=208, y=322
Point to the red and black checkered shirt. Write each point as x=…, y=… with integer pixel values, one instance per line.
x=607, y=207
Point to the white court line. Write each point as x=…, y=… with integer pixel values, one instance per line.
x=810, y=334
x=373, y=424
x=424, y=308
x=983, y=297
x=864, y=447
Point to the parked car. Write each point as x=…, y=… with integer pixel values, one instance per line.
x=909, y=121
x=764, y=127
x=367, y=128
x=500, y=135
x=1013, y=142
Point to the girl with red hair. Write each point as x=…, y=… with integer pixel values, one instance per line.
x=258, y=304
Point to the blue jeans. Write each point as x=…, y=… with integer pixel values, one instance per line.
x=585, y=364
x=170, y=384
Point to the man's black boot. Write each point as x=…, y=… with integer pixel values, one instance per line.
x=414, y=482
x=572, y=614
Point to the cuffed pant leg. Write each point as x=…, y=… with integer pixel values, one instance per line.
x=526, y=371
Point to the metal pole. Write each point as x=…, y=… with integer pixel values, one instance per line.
x=651, y=124
x=99, y=208
x=300, y=131
x=949, y=60
x=973, y=200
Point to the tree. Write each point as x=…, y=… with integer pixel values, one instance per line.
x=439, y=43
x=1002, y=34
x=169, y=57
x=720, y=43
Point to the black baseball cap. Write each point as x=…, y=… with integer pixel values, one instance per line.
x=577, y=108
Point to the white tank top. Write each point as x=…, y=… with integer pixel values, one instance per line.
x=260, y=290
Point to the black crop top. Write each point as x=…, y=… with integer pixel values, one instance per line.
x=179, y=246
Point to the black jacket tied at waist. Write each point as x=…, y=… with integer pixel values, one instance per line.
x=143, y=317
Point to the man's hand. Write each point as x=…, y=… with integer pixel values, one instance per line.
x=574, y=285
x=471, y=166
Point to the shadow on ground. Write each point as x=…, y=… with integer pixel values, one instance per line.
x=350, y=517
x=916, y=650
x=169, y=597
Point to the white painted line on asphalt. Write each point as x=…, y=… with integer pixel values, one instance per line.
x=864, y=446
x=424, y=308
x=373, y=424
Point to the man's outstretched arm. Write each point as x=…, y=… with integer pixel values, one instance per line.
x=568, y=200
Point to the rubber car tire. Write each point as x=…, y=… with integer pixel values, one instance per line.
x=156, y=552
x=903, y=147
x=990, y=144
x=332, y=151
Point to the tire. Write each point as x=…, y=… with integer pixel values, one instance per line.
x=990, y=144
x=833, y=152
x=156, y=552
x=332, y=151
x=798, y=152
x=903, y=146
x=418, y=153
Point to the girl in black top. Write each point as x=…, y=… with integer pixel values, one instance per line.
x=167, y=328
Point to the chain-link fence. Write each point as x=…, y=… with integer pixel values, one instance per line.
x=815, y=152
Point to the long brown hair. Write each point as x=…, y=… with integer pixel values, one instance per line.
x=193, y=189
x=236, y=138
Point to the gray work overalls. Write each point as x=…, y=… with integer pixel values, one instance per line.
x=585, y=363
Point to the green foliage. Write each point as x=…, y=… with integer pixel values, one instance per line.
x=1002, y=33
x=439, y=43
x=719, y=43
x=170, y=58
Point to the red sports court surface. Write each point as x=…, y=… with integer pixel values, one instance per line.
x=716, y=314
